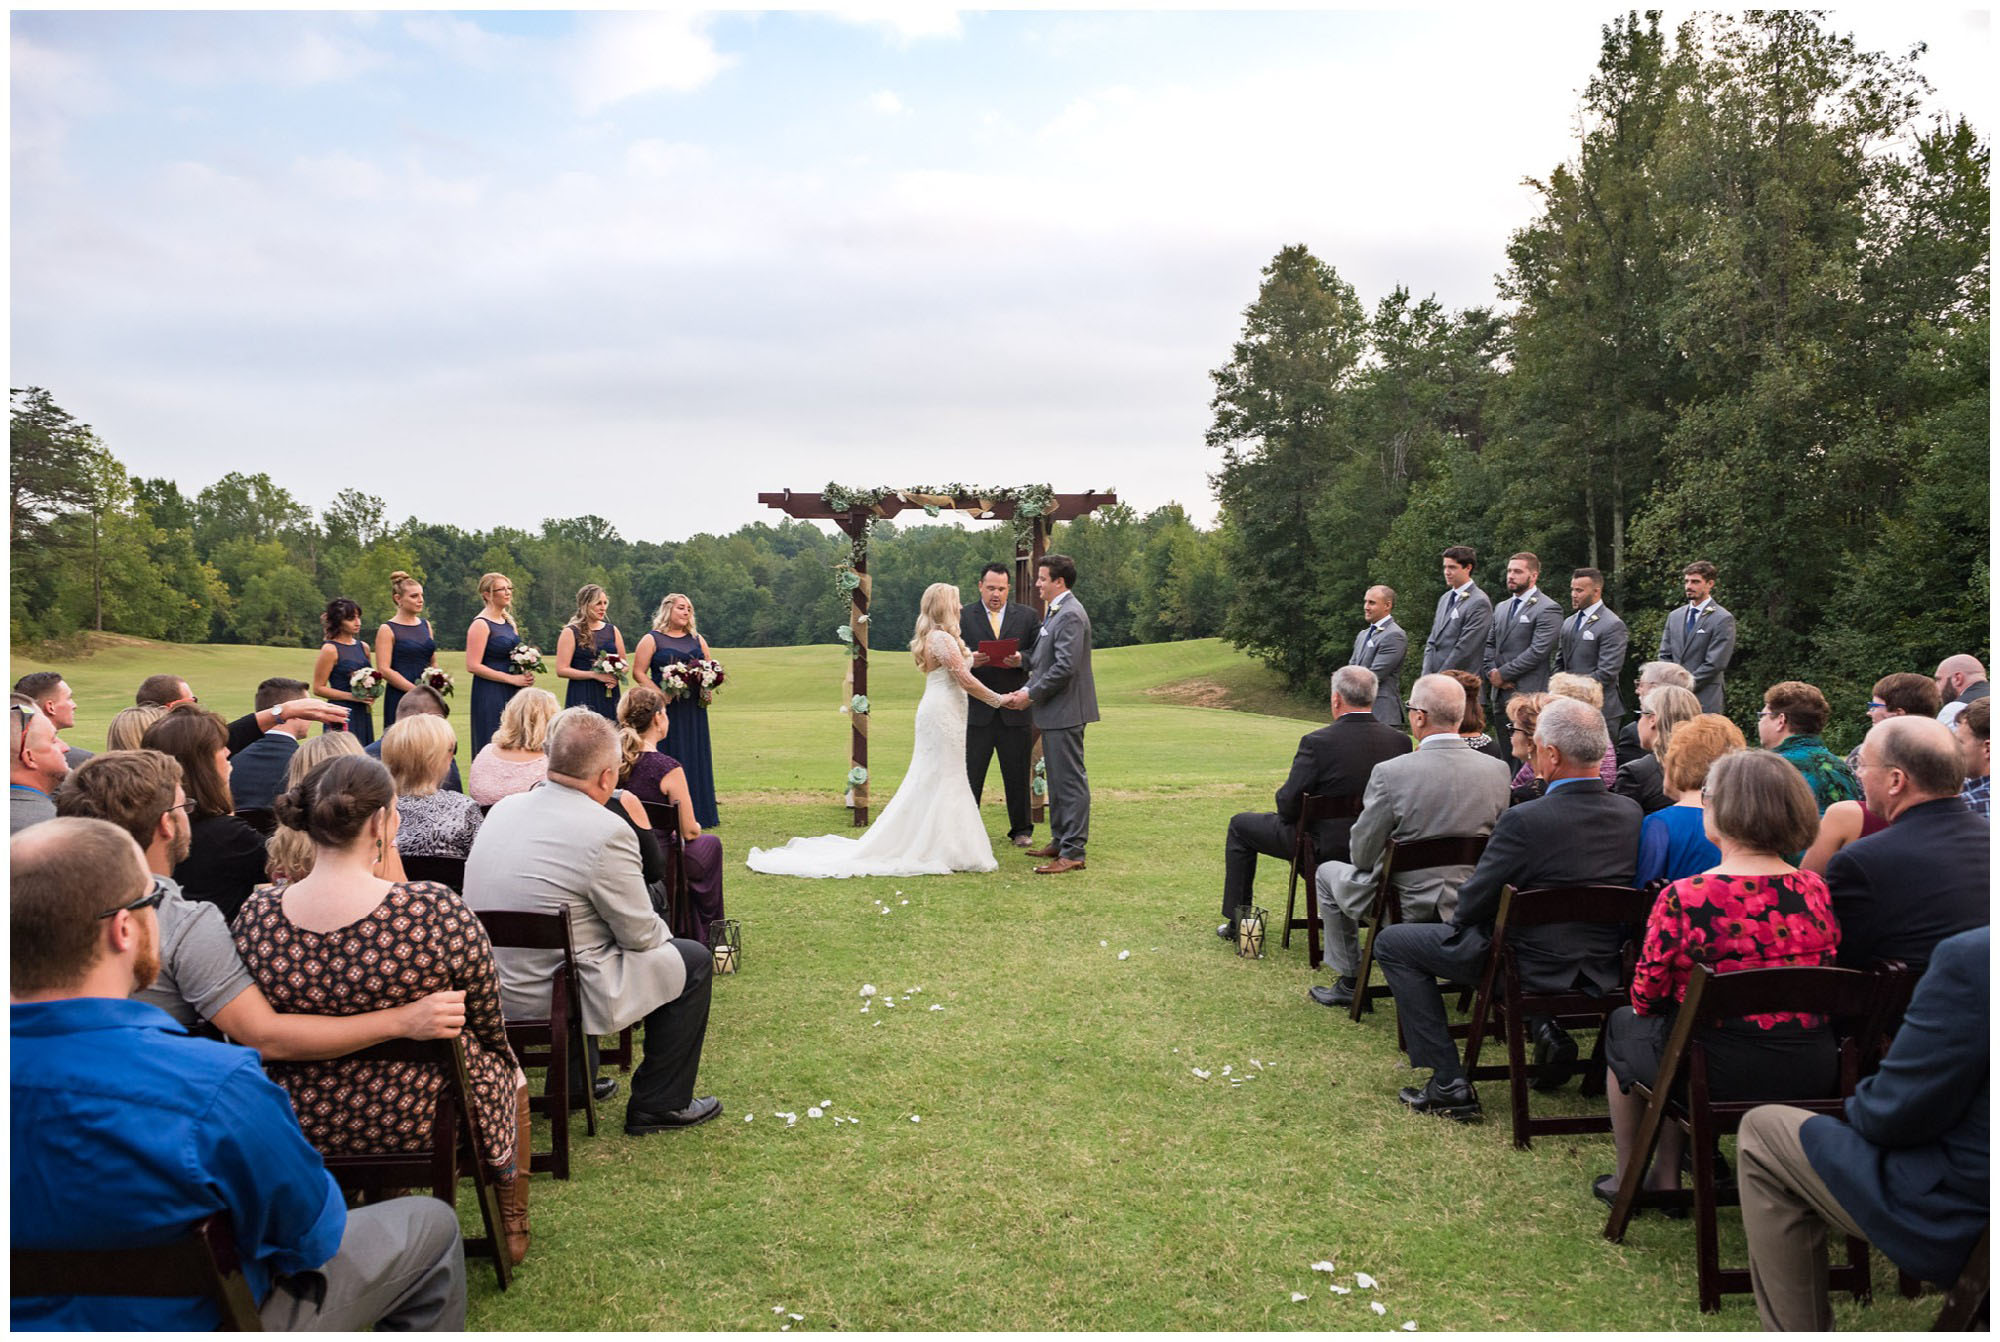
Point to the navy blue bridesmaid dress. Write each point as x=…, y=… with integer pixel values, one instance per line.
x=489, y=697
x=687, y=728
x=594, y=695
x=412, y=653
x=347, y=659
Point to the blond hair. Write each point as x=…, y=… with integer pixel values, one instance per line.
x=935, y=614
x=524, y=723
x=288, y=853
x=586, y=597
x=128, y=728
x=317, y=750
x=489, y=581
x=416, y=750
x=1583, y=689
x=666, y=605
x=401, y=582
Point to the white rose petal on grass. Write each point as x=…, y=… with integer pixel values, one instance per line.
x=916, y=1118
x=748, y=1117
x=1227, y=1068
x=885, y=908
x=1338, y=1289
x=1124, y=955
x=826, y=1104
x=815, y=1112
x=867, y=990
x=1378, y=1307
x=1297, y=1296
x=1364, y=1281
x=1104, y=943
x=1323, y=1265
x=1409, y=1325
x=777, y=1309
x=1198, y=1072
x=937, y=1006
x=906, y=901
x=798, y=1318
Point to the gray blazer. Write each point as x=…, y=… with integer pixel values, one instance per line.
x=1705, y=652
x=1521, y=643
x=1443, y=787
x=1598, y=651
x=552, y=848
x=1458, y=637
x=1060, y=684
x=1383, y=654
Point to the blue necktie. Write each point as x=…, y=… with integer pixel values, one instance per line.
x=1513, y=607
x=1691, y=614
x=1578, y=628
x=1452, y=608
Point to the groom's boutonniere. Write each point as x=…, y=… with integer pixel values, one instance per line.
x=1591, y=619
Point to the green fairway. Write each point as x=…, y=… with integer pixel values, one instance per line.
x=1040, y=1153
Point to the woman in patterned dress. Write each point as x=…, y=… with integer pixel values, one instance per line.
x=343, y=940
x=674, y=638
x=404, y=645
x=589, y=633
x=1751, y=910
x=340, y=657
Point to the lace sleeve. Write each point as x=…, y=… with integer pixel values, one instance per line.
x=945, y=649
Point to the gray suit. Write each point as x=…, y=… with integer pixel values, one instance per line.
x=1383, y=653
x=1458, y=632
x=1523, y=639
x=1704, y=651
x=1598, y=651
x=1445, y=787
x=1064, y=695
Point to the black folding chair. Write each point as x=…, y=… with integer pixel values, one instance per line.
x=1314, y=810
x=203, y=1262
x=554, y=1041
x=444, y=870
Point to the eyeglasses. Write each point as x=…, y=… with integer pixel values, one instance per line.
x=1874, y=704
x=1647, y=713
x=191, y=699
x=1412, y=708
x=1517, y=727
x=1769, y=713
x=25, y=710
x=155, y=894
x=187, y=806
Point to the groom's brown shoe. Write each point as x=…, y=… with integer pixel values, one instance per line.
x=1059, y=866
x=1047, y=851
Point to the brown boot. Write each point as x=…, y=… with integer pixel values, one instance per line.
x=514, y=1193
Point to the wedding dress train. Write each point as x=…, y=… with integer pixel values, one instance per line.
x=932, y=825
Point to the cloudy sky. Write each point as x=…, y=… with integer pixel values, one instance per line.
x=496, y=267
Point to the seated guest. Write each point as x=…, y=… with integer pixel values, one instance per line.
x=1445, y=787
x=435, y=823
x=1652, y=675
x=128, y=726
x=1906, y=1171
x=1674, y=843
x=1960, y=680
x=1472, y=727
x=513, y=761
x=126, y=1131
x=349, y=922
x=226, y=861
x=288, y=852
x=1578, y=834
x=200, y=978
x=1970, y=729
x=424, y=699
x=1585, y=689
x=1333, y=761
x=1843, y=823
x=1751, y=910
x=48, y=691
x=165, y=692
x=1789, y=725
x=37, y=766
x=556, y=847
x=1900, y=694
x=1925, y=877
x=1644, y=780
x=655, y=776
x=257, y=771
x=1521, y=723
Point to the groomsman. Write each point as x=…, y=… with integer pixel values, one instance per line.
x=1594, y=641
x=1006, y=732
x=1464, y=615
x=1701, y=635
x=1381, y=647
x=1524, y=635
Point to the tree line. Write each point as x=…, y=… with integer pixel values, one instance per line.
x=1749, y=324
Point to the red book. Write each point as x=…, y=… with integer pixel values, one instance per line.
x=996, y=651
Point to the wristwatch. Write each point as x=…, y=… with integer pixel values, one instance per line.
x=278, y=713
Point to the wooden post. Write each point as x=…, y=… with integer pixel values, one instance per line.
x=856, y=526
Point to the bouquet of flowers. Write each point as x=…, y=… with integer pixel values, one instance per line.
x=611, y=663
x=365, y=684
x=435, y=678
x=706, y=677
x=526, y=657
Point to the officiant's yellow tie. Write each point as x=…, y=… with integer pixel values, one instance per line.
x=993, y=618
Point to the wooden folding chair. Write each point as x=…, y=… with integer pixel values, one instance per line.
x=554, y=1041
x=1501, y=1007
x=444, y=870
x=1965, y=1304
x=1449, y=850
x=455, y=1151
x=1314, y=810
x=665, y=817
x=203, y=1263
x=1848, y=997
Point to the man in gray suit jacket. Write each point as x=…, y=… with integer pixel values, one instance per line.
x=1381, y=648
x=1593, y=642
x=1445, y=787
x=556, y=847
x=1064, y=694
x=1457, y=640
x=1525, y=626
x=1701, y=636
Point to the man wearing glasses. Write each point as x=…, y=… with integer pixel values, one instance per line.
x=126, y=1131
x=37, y=765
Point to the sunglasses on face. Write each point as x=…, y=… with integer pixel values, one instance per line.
x=156, y=893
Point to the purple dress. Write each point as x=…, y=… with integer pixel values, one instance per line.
x=702, y=856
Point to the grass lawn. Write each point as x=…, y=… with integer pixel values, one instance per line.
x=1068, y=1170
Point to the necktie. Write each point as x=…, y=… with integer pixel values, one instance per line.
x=1452, y=608
x=1577, y=628
x=1691, y=614
x=1513, y=608
x=993, y=618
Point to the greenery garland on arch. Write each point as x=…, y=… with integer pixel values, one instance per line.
x=1030, y=502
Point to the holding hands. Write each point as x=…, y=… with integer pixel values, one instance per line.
x=1018, y=699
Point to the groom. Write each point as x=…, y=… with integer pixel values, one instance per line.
x=1064, y=696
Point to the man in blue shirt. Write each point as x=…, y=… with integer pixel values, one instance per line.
x=126, y=1130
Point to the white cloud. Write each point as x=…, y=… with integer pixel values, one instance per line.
x=617, y=56
x=906, y=23
x=661, y=159
x=464, y=41
x=885, y=102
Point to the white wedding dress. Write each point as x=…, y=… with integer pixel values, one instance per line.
x=931, y=826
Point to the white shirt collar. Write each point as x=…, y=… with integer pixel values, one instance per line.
x=1591, y=609
x=1466, y=587
x=280, y=730
x=1057, y=600
x=1528, y=595
x=1383, y=623
x=1701, y=607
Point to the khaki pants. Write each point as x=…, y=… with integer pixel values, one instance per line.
x=1786, y=1210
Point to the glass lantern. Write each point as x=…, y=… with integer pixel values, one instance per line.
x=725, y=943
x=1250, y=921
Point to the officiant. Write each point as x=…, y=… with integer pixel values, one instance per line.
x=1005, y=731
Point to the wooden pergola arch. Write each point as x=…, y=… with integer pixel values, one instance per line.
x=856, y=519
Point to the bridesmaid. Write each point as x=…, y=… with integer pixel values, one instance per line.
x=403, y=644
x=487, y=643
x=674, y=639
x=578, y=647
x=340, y=657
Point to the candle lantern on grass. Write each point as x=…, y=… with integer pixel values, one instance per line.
x=725, y=943
x=1250, y=931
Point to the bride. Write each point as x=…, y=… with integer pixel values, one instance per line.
x=931, y=826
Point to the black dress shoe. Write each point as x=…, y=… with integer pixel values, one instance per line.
x=1339, y=995
x=603, y=1088
x=638, y=1121
x=1605, y=1188
x=1227, y=931
x=1555, y=1056
x=1457, y=1100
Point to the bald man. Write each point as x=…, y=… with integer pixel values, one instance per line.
x=1381, y=647
x=1960, y=679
